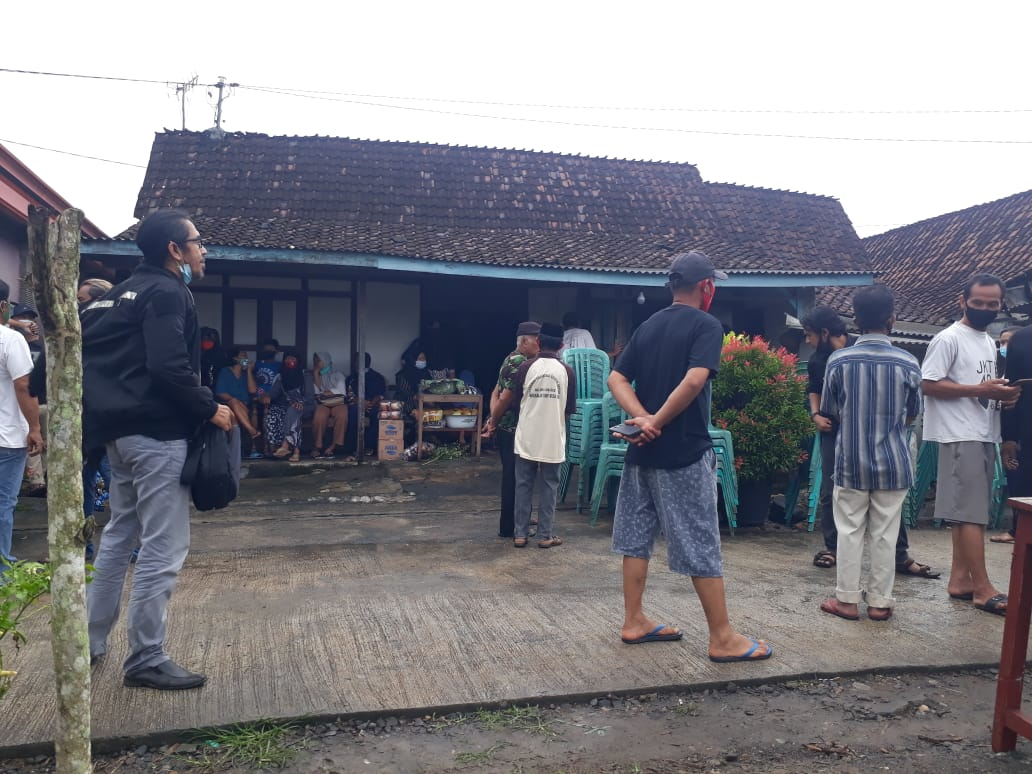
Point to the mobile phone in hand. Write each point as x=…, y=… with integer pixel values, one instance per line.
x=1019, y=383
x=624, y=429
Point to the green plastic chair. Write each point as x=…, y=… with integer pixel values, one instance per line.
x=610, y=458
x=590, y=368
x=584, y=436
x=795, y=486
x=927, y=471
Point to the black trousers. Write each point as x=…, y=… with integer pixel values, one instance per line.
x=825, y=510
x=506, y=443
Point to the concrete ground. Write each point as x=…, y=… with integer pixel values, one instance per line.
x=342, y=590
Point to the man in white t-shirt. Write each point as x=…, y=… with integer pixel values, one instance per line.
x=962, y=413
x=19, y=422
x=546, y=391
x=574, y=336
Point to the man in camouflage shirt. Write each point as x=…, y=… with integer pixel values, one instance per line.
x=527, y=346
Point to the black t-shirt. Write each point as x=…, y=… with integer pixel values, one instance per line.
x=659, y=355
x=375, y=384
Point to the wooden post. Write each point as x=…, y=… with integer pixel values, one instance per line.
x=54, y=260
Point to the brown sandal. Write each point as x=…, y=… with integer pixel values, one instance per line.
x=520, y=542
x=552, y=542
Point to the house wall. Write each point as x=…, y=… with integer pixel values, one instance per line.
x=11, y=266
x=392, y=311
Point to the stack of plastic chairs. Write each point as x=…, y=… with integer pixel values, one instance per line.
x=795, y=485
x=998, y=498
x=610, y=457
x=584, y=431
x=727, y=476
x=927, y=471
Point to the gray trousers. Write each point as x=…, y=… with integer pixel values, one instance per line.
x=527, y=474
x=149, y=509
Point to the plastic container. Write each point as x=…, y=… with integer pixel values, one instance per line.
x=460, y=421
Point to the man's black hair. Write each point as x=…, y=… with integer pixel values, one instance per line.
x=821, y=317
x=873, y=307
x=232, y=352
x=5, y=291
x=984, y=279
x=550, y=343
x=270, y=342
x=157, y=230
x=571, y=320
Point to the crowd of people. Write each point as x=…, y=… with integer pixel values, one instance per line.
x=152, y=375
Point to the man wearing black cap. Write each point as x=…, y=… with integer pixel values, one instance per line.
x=545, y=390
x=668, y=481
x=527, y=346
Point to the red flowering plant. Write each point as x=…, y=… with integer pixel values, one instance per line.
x=761, y=400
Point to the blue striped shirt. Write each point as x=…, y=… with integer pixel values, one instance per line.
x=872, y=388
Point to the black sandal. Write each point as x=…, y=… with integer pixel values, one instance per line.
x=918, y=570
x=824, y=559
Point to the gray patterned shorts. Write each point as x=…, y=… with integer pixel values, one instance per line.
x=682, y=503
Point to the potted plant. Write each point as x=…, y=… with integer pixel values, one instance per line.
x=761, y=400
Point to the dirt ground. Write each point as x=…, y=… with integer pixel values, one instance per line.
x=927, y=722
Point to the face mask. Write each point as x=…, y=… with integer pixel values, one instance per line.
x=324, y=370
x=980, y=318
x=1003, y=351
x=207, y=345
x=7, y=312
x=420, y=364
x=244, y=362
x=269, y=355
x=290, y=364
x=187, y=272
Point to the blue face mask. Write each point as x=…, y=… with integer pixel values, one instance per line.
x=1003, y=351
x=187, y=272
x=324, y=370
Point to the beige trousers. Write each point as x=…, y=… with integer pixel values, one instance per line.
x=873, y=514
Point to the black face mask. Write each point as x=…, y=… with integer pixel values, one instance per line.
x=269, y=355
x=980, y=318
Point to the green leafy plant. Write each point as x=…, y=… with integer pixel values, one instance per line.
x=21, y=585
x=761, y=400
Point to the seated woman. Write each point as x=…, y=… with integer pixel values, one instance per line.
x=286, y=409
x=331, y=397
x=235, y=386
x=375, y=389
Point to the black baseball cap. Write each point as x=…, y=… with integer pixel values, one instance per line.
x=694, y=267
x=20, y=310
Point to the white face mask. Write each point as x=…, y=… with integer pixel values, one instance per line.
x=420, y=364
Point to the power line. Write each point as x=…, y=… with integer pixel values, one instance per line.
x=672, y=130
x=314, y=93
x=88, y=77
x=69, y=153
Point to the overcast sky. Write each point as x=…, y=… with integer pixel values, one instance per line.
x=743, y=90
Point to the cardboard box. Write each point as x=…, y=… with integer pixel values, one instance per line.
x=391, y=429
x=390, y=450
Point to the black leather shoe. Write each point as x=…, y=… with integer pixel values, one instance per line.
x=167, y=676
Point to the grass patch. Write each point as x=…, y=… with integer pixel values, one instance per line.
x=686, y=708
x=260, y=745
x=528, y=719
x=486, y=756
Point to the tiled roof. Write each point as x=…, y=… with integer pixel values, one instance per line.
x=933, y=259
x=841, y=300
x=486, y=205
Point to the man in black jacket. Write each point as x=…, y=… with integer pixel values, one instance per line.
x=142, y=400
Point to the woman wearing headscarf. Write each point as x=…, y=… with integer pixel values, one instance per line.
x=286, y=408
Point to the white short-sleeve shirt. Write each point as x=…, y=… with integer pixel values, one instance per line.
x=15, y=362
x=963, y=355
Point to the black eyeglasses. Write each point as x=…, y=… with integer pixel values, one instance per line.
x=198, y=240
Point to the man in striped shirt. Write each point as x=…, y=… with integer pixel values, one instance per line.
x=874, y=390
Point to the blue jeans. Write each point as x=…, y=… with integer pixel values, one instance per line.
x=150, y=509
x=12, y=468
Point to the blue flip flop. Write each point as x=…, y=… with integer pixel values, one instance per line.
x=654, y=636
x=747, y=656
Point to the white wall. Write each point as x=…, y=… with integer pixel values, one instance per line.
x=393, y=322
x=329, y=329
